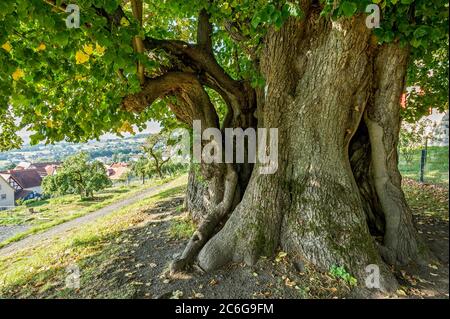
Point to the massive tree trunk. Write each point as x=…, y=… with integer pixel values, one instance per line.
x=336, y=198
x=320, y=78
x=401, y=244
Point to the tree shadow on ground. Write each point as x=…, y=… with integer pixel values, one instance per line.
x=134, y=264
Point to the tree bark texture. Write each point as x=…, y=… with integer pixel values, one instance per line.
x=336, y=198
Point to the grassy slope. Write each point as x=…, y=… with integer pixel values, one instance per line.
x=96, y=247
x=436, y=169
x=29, y=272
x=58, y=210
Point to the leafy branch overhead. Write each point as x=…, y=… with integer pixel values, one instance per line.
x=78, y=83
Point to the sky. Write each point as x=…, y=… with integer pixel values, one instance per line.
x=152, y=127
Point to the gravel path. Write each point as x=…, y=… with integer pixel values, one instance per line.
x=9, y=231
x=36, y=239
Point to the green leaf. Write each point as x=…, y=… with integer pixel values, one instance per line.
x=420, y=31
x=348, y=8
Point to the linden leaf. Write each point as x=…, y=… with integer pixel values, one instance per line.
x=281, y=255
x=177, y=294
x=41, y=47
x=81, y=57
x=348, y=8
x=124, y=22
x=7, y=47
x=401, y=292
x=88, y=48
x=99, y=49
x=18, y=74
x=49, y=124
x=126, y=127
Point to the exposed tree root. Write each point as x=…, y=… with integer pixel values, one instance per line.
x=216, y=214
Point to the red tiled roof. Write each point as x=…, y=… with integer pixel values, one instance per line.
x=44, y=168
x=26, y=178
x=51, y=169
x=118, y=172
x=44, y=164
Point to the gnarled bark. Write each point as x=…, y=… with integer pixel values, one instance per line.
x=335, y=101
x=401, y=243
x=315, y=95
x=216, y=212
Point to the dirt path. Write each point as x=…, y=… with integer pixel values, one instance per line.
x=37, y=239
x=9, y=231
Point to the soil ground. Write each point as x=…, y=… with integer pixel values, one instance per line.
x=134, y=263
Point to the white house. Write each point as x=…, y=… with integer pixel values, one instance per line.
x=6, y=194
x=25, y=183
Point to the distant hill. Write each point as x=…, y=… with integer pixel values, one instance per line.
x=105, y=150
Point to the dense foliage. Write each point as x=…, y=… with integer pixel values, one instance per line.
x=77, y=176
x=69, y=83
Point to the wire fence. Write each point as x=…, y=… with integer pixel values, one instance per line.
x=435, y=169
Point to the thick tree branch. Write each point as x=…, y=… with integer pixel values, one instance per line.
x=137, y=8
x=193, y=54
x=238, y=95
x=186, y=87
x=158, y=87
x=204, y=32
x=199, y=58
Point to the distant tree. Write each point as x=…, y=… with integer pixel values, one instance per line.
x=115, y=158
x=77, y=176
x=10, y=166
x=158, y=149
x=414, y=136
x=140, y=168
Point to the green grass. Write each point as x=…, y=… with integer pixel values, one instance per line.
x=55, y=211
x=37, y=270
x=436, y=169
x=339, y=272
x=182, y=228
x=41, y=271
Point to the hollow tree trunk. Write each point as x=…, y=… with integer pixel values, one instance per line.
x=401, y=243
x=361, y=162
x=318, y=76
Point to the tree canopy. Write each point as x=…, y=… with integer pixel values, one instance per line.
x=77, y=176
x=73, y=83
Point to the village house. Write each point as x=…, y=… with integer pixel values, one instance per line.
x=26, y=183
x=6, y=195
x=117, y=171
x=44, y=169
